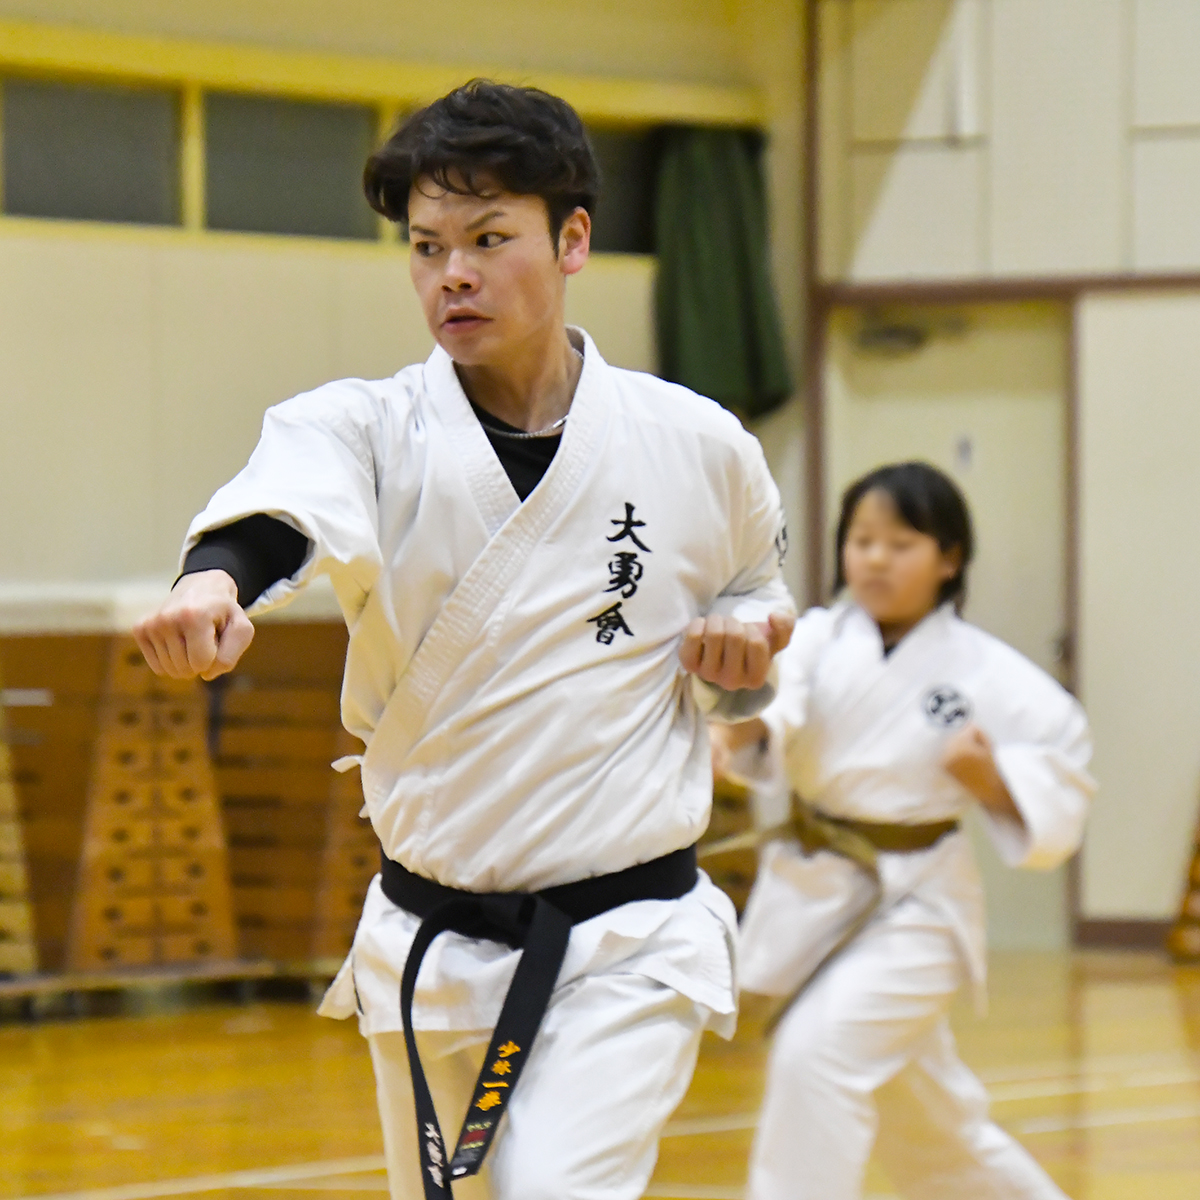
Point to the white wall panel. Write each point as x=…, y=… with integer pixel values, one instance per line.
x=238, y=330
x=613, y=299
x=378, y=325
x=1166, y=215
x=134, y=373
x=1166, y=62
x=917, y=212
x=915, y=69
x=1139, y=646
x=79, y=426
x=1058, y=133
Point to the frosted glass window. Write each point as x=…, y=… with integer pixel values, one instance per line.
x=284, y=166
x=90, y=153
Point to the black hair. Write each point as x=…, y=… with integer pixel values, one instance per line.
x=485, y=136
x=927, y=500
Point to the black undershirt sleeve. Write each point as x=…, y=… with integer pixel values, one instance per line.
x=256, y=551
x=259, y=550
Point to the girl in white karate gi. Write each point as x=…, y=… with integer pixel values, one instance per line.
x=894, y=717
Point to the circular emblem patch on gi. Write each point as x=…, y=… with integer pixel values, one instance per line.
x=948, y=707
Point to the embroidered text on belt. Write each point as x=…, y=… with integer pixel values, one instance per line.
x=538, y=924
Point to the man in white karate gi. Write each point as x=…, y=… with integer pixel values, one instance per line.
x=550, y=570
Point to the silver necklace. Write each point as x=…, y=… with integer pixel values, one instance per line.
x=522, y=436
x=549, y=431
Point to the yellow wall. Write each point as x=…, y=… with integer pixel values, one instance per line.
x=135, y=365
x=653, y=39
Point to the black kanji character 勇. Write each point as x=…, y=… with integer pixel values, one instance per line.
x=625, y=571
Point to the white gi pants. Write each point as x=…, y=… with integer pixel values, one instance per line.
x=611, y=1062
x=866, y=1060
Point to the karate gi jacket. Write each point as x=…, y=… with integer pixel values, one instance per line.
x=860, y=734
x=513, y=668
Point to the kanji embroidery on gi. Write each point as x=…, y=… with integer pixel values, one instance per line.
x=625, y=571
x=629, y=524
x=500, y=1067
x=609, y=623
x=488, y=1100
x=508, y=1050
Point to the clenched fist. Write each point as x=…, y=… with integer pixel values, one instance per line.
x=199, y=630
x=733, y=655
x=968, y=757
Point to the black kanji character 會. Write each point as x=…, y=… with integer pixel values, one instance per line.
x=628, y=524
x=609, y=623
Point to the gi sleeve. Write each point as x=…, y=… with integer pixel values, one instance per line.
x=764, y=764
x=1048, y=780
x=757, y=590
x=314, y=469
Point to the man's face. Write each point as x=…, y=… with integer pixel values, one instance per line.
x=486, y=270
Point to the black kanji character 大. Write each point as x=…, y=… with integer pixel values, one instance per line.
x=628, y=524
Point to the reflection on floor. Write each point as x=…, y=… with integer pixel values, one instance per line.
x=1093, y=1062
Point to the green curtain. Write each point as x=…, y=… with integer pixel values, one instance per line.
x=718, y=328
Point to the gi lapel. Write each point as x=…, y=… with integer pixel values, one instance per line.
x=489, y=485
x=464, y=616
x=886, y=687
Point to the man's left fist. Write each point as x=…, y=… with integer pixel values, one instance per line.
x=733, y=655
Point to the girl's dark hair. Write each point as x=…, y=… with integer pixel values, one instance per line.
x=484, y=136
x=928, y=501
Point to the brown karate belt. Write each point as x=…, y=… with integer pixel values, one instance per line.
x=859, y=841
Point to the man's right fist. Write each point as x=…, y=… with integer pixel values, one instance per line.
x=200, y=629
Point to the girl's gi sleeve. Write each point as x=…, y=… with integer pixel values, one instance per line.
x=314, y=468
x=1045, y=770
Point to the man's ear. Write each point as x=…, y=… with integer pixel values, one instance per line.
x=574, y=241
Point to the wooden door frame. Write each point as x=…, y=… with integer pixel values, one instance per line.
x=822, y=296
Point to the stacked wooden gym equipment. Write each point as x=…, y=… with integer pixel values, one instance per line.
x=300, y=856
x=348, y=862
x=1184, y=938
x=18, y=954
x=153, y=886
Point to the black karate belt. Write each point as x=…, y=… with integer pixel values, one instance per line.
x=538, y=924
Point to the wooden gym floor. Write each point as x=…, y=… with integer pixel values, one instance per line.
x=1093, y=1062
